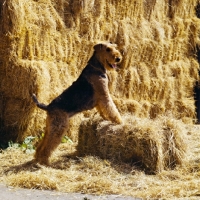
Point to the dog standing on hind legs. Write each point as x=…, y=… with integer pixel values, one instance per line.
x=88, y=91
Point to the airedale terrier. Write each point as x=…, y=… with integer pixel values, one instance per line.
x=88, y=91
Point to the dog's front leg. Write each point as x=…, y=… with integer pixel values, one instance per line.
x=105, y=104
x=108, y=110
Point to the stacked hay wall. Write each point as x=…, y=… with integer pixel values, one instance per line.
x=44, y=45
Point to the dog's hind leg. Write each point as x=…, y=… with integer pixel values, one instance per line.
x=56, y=125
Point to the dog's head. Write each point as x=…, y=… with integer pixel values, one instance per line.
x=108, y=55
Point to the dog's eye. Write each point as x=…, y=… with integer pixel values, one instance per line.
x=108, y=49
x=102, y=75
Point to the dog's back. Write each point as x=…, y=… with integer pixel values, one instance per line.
x=76, y=98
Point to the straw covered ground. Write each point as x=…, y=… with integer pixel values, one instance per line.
x=89, y=174
x=44, y=45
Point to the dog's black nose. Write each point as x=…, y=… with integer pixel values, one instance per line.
x=117, y=59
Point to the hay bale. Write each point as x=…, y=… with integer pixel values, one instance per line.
x=153, y=144
x=44, y=45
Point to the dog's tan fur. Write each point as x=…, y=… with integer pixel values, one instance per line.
x=88, y=91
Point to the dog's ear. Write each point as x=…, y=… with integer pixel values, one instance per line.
x=98, y=47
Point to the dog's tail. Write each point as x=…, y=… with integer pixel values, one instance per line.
x=39, y=105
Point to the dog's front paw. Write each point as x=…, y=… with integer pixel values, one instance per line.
x=119, y=120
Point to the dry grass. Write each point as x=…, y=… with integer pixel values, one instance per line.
x=90, y=174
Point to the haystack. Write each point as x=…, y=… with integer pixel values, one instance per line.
x=44, y=45
x=152, y=145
